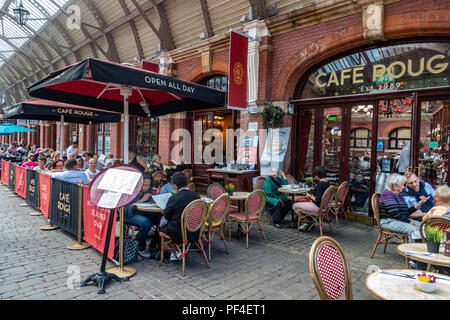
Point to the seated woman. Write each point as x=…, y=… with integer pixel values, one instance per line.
x=157, y=165
x=315, y=198
x=277, y=202
x=395, y=214
x=30, y=164
x=135, y=218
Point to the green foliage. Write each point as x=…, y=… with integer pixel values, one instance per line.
x=156, y=181
x=273, y=117
x=230, y=187
x=173, y=192
x=434, y=235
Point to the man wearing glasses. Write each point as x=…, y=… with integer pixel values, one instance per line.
x=416, y=190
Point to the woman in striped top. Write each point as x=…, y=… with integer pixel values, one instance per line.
x=394, y=212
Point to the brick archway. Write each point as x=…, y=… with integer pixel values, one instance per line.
x=431, y=23
x=217, y=67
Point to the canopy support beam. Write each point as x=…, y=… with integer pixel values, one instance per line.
x=125, y=92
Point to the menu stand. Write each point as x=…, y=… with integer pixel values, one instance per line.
x=96, y=195
x=103, y=278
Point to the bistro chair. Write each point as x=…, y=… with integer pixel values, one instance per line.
x=217, y=215
x=215, y=190
x=319, y=215
x=385, y=236
x=193, y=219
x=259, y=185
x=442, y=223
x=338, y=204
x=254, y=206
x=329, y=270
x=191, y=186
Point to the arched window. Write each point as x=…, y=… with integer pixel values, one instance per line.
x=399, y=137
x=361, y=138
x=219, y=82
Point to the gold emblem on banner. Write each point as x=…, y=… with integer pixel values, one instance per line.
x=238, y=73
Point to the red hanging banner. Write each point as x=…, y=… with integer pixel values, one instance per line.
x=237, y=84
x=5, y=172
x=95, y=222
x=44, y=194
x=20, y=186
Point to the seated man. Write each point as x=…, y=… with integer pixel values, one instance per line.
x=174, y=209
x=278, y=204
x=92, y=171
x=417, y=190
x=71, y=174
x=41, y=165
x=136, y=218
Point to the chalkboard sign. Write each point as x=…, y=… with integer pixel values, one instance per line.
x=386, y=165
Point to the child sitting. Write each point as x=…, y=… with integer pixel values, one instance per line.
x=442, y=200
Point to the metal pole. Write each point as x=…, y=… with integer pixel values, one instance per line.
x=79, y=245
x=61, y=137
x=125, y=92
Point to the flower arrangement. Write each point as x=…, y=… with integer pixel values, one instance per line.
x=423, y=277
x=434, y=235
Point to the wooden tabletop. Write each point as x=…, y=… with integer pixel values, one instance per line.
x=240, y=195
x=147, y=208
x=294, y=191
x=388, y=287
x=438, y=259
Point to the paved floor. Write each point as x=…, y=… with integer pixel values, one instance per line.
x=35, y=264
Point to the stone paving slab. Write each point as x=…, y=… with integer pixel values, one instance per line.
x=36, y=264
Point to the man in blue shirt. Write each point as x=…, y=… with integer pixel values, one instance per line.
x=417, y=190
x=71, y=174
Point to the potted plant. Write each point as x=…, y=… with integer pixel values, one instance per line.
x=230, y=189
x=434, y=237
x=273, y=117
x=309, y=181
x=156, y=182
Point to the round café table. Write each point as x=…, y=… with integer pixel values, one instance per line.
x=390, y=287
x=416, y=251
x=147, y=208
x=293, y=192
x=239, y=197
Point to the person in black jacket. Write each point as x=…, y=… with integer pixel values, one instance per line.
x=175, y=206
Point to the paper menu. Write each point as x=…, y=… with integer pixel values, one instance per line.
x=120, y=181
x=161, y=199
x=109, y=200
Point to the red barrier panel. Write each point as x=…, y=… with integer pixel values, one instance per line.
x=95, y=221
x=20, y=186
x=44, y=194
x=5, y=173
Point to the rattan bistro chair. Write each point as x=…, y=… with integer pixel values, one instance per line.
x=338, y=205
x=217, y=215
x=254, y=206
x=192, y=220
x=215, y=190
x=322, y=213
x=259, y=185
x=385, y=236
x=442, y=223
x=329, y=270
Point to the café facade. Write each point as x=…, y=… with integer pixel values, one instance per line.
x=357, y=79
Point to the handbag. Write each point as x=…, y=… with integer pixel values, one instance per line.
x=130, y=250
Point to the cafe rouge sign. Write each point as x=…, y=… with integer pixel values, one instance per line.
x=392, y=68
